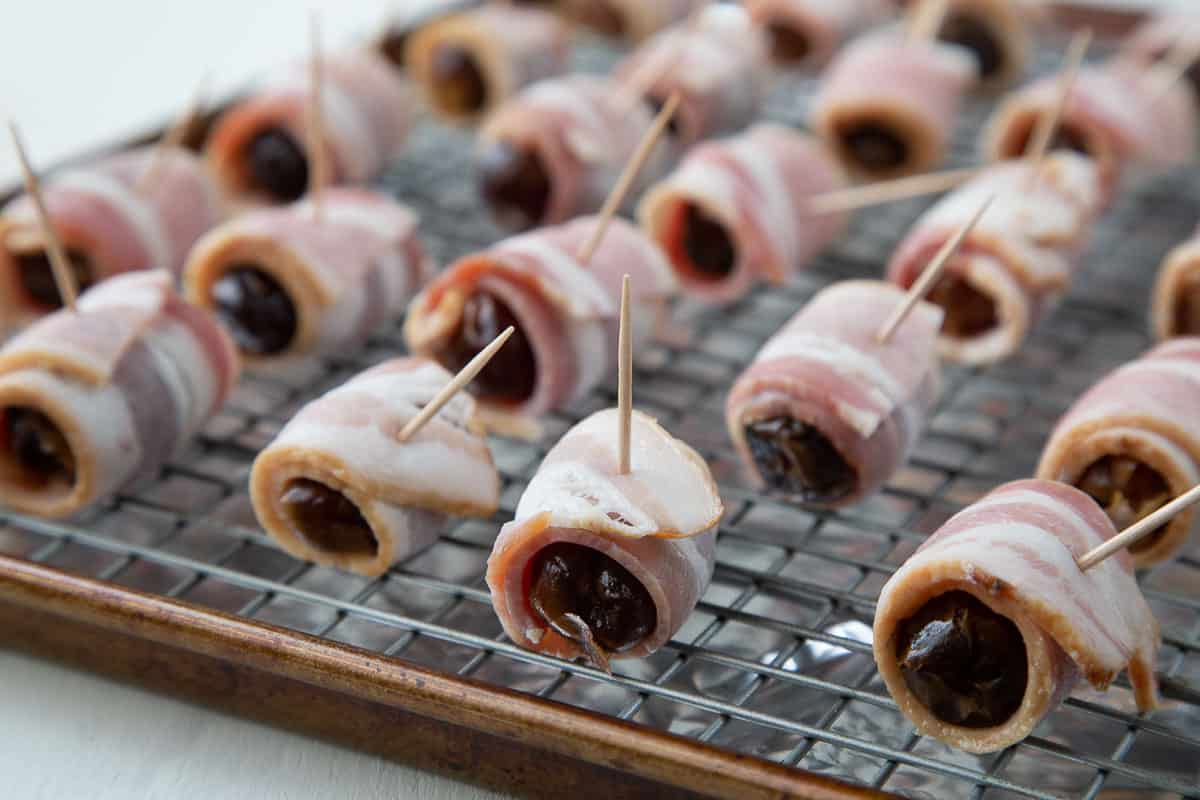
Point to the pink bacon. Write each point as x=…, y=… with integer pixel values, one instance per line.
x=128, y=379
x=1146, y=411
x=823, y=24
x=1015, y=551
x=659, y=522
x=718, y=65
x=757, y=186
x=366, y=112
x=568, y=312
x=114, y=220
x=346, y=273
x=348, y=440
x=826, y=368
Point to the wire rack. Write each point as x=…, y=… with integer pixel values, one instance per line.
x=776, y=661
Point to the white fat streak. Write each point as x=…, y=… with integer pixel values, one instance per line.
x=408, y=392
x=845, y=359
x=577, y=494
x=391, y=223
x=1185, y=368
x=1029, y=497
x=409, y=529
x=129, y=204
x=768, y=176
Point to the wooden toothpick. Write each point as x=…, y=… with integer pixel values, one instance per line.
x=318, y=161
x=64, y=277
x=932, y=272
x=1047, y=123
x=625, y=382
x=173, y=138
x=927, y=19
x=649, y=72
x=888, y=191
x=625, y=182
x=456, y=385
x=1139, y=529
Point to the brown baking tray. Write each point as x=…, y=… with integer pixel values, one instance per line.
x=768, y=691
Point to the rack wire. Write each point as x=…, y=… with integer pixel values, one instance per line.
x=776, y=660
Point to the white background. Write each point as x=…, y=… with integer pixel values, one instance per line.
x=75, y=74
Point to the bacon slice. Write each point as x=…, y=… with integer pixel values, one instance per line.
x=345, y=274
x=366, y=113
x=567, y=312
x=913, y=89
x=583, y=129
x=824, y=368
x=100, y=212
x=1175, y=310
x=809, y=32
x=1015, y=551
x=633, y=20
x=756, y=187
x=659, y=522
x=995, y=30
x=1145, y=414
x=347, y=440
x=510, y=46
x=127, y=380
x=1021, y=254
x=1115, y=114
x=718, y=65
x=1151, y=41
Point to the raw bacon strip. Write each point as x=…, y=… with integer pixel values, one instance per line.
x=809, y=32
x=736, y=211
x=658, y=523
x=887, y=105
x=1014, y=552
x=1176, y=307
x=93, y=400
x=1132, y=441
x=1153, y=40
x=108, y=223
x=556, y=149
x=470, y=63
x=257, y=148
x=996, y=33
x=1017, y=260
x=633, y=20
x=344, y=449
x=1112, y=115
x=826, y=414
x=565, y=313
x=290, y=286
x=719, y=66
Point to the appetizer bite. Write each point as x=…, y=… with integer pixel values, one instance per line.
x=988, y=627
x=632, y=20
x=97, y=397
x=888, y=103
x=141, y=209
x=564, y=312
x=1016, y=263
x=1132, y=442
x=605, y=564
x=1176, y=306
x=996, y=34
x=808, y=32
x=826, y=413
x=735, y=212
x=1117, y=114
x=469, y=63
x=556, y=149
x=716, y=62
x=1166, y=31
x=342, y=485
x=296, y=281
x=258, y=148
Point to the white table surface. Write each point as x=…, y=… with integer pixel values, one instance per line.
x=75, y=74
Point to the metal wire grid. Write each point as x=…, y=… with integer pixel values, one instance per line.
x=776, y=660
